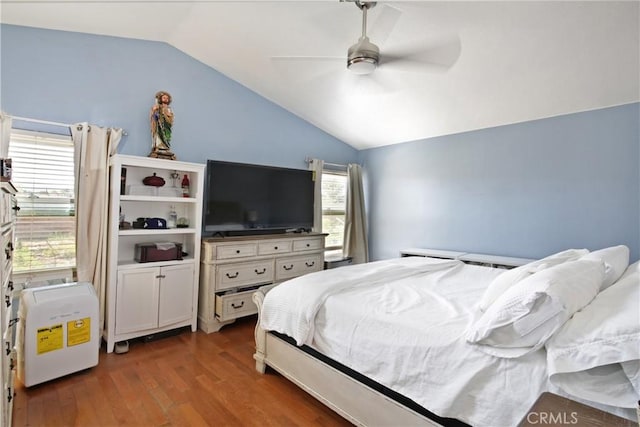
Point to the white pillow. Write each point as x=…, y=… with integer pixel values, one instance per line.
x=532, y=310
x=604, y=335
x=510, y=277
x=616, y=261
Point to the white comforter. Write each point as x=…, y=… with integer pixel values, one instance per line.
x=401, y=323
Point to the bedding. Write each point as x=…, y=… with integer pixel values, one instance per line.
x=406, y=333
x=596, y=354
x=616, y=261
x=527, y=314
x=510, y=277
x=402, y=323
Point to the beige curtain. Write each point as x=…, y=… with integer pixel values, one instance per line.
x=356, y=243
x=5, y=134
x=93, y=148
x=317, y=166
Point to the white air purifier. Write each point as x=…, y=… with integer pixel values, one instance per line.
x=57, y=331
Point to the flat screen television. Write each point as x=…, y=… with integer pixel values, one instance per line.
x=244, y=199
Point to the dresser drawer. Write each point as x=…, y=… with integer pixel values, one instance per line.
x=275, y=247
x=287, y=268
x=5, y=208
x=243, y=274
x=307, y=244
x=232, y=306
x=6, y=245
x=236, y=251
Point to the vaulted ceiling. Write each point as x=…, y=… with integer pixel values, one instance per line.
x=445, y=66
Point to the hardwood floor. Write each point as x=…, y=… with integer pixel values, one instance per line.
x=191, y=379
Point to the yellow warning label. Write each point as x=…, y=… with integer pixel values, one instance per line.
x=78, y=331
x=49, y=339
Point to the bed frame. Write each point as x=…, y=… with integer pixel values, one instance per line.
x=353, y=400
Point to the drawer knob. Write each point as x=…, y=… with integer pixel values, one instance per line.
x=264, y=270
x=7, y=300
x=237, y=251
x=233, y=304
x=309, y=264
x=275, y=248
x=308, y=244
x=288, y=268
x=8, y=349
x=232, y=276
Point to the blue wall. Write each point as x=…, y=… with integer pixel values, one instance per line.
x=527, y=189
x=72, y=77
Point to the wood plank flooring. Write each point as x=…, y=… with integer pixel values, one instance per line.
x=191, y=379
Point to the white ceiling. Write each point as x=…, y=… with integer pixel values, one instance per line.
x=518, y=60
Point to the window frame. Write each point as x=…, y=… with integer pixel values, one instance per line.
x=327, y=212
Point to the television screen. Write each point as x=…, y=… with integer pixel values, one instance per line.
x=253, y=199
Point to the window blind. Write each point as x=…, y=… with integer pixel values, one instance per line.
x=43, y=173
x=334, y=195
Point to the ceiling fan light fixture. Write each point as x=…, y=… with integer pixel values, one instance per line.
x=363, y=57
x=362, y=65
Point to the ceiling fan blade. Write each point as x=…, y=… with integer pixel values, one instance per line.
x=384, y=23
x=437, y=56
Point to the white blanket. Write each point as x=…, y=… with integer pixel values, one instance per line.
x=291, y=307
x=401, y=323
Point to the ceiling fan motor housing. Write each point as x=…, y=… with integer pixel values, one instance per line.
x=363, y=56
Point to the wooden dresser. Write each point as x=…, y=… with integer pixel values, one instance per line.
x=232, y=268
x=8, y=315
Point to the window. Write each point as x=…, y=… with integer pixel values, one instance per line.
x=334, y=199
x=43, y=173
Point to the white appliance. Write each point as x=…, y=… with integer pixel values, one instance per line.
x=57, y=331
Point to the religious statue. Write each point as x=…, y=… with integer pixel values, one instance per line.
x=161, y=118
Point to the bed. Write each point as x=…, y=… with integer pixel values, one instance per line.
x=419, y=341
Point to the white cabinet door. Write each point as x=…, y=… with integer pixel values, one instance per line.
x=176, y=294
x=137, y=295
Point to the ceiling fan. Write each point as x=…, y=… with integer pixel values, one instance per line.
x=364, y=57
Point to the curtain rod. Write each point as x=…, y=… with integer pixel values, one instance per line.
x=44, y=122
x=47, y=122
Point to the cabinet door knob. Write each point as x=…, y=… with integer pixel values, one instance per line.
x=287, y=268
x=232, y=276
x=7, y=300
x=233, y=304
x=261, y=272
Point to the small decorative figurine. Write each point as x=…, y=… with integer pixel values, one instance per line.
x=161, y=118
